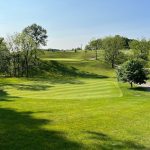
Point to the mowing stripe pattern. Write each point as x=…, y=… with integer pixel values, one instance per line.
x=92, y=88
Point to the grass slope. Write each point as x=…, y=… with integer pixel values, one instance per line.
x=74, y=113
x=70, y=55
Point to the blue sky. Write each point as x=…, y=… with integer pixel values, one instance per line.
x=71, y=23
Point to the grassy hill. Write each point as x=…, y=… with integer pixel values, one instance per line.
x=90, y=110
x=70, y=55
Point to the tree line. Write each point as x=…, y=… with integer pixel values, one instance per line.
x=18, y=52
x=113, y=46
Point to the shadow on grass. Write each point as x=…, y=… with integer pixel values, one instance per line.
x=145, y=89
x=59, y=68
x=109, y=143
x=3, y=93
x=4, y=96
x=37, y=84
x=19, y=130
x=90, y=75
x=28, y=87
x=58, y=80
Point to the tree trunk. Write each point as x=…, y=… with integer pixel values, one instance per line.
x=27, y=67
x=131, y=85
x=27, y=64
x=14, y=67
x=23, y=65
x=18, y=68
x=96, y=54
x=112, y=64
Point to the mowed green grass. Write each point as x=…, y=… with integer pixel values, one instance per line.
x=69, y=113
x=61, y=59
x=78, y=89
x=71, y=55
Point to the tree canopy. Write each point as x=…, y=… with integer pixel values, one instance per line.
x=38, y=33
x=141, y=48
x=112, y=45
x=132, y=72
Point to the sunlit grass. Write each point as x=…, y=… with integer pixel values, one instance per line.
x=73, y=113
x=61, y=59
x=78, y=89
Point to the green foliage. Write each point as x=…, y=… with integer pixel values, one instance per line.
x=112, y=45
x=38, y=34
x=132, y=72
x=97, y=44
x=121, y=58
x=21, y=54
x=94, y=45
x=141, y=49
x=4, y=57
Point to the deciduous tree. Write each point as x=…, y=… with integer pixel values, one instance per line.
x=38, y=34
x=132, y=72
x=112, y=45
